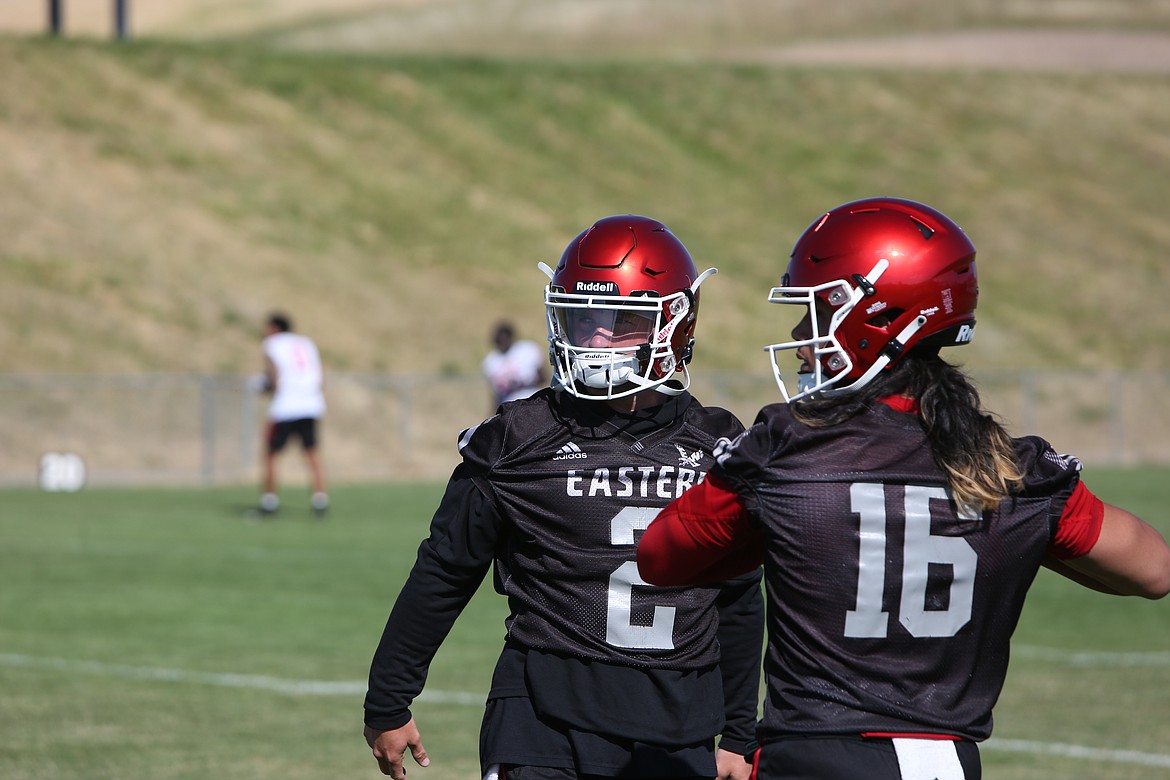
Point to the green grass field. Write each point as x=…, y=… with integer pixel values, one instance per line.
x=159, y=634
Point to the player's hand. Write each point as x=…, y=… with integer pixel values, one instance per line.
x=390, y=748
x=731, y=766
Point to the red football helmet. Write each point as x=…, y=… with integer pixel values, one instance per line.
x=879, y=276
x=622, y=306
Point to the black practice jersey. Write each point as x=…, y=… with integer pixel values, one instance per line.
x=555, y=491
x=895, y=607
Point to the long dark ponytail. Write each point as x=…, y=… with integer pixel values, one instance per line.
x=968, y=444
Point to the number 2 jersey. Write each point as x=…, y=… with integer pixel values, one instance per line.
x=889, y=610
x=554, y=492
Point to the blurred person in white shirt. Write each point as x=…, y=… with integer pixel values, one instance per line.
x=515, y=368
x=293, y=376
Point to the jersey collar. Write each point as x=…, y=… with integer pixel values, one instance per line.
x=900, y=403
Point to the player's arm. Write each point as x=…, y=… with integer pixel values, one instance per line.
x=1130, y=557
x=705, y=535
x=270, y=375
x=451, y=564
x=741, y=639
x=1109, y=549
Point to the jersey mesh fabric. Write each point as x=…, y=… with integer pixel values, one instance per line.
x=536, y=495
x=905, y=627
x=578, y=491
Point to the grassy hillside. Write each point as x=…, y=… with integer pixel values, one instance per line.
x=157, y=199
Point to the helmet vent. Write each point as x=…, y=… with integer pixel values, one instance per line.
x=926, y=231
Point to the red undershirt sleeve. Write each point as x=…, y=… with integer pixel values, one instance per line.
x=1079, y=526
x=705, y=535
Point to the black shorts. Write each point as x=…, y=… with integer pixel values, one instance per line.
x=526, y=748
x=848, y=758
x=304, y=429
x=555, y=773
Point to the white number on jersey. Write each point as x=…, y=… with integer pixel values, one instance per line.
x=619, y=628
x=920, y=549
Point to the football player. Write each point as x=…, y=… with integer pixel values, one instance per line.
x=899, y=526
x=515, y=368
x=294, y=377
x=600, y=675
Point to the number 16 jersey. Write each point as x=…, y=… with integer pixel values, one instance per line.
x=895, y=606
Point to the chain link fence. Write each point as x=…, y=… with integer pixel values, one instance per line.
x=189, y=429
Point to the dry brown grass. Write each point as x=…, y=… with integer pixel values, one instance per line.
x=580, y=27
x=155, y=203
x=153, y=213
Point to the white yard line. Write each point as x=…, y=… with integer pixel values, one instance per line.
x=1080, y=659
x=1076, y=751
x=358, y=688
x=252, y=681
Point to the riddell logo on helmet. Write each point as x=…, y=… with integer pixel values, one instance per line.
x=965, y=333
x=608, y=288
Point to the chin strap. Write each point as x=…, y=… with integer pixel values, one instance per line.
x=889, y=353
x=673, y=386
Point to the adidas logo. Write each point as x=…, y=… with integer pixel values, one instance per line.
x=569, y=452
